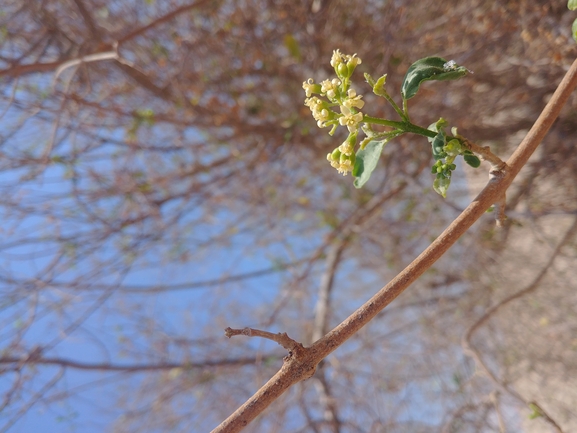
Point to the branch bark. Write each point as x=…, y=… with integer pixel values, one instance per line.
x=301, y=365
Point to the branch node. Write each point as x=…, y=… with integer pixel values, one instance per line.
x=498, y=166
x=498, y=170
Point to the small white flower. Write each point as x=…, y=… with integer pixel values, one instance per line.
x=353, y=100
x=324, y=114
x=314, y=103
x=337, y=58
x=330, y=87
x=346, y=148
x=345, y=166
x=353, y=60
x=309, y=85
x=350, y=120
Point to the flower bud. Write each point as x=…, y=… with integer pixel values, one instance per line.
x=342, y=71
x=379, y=87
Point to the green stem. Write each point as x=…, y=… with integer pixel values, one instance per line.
x=403, y=126
x=406, y=110
x=395, y=106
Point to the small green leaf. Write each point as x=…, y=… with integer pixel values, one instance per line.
x=441, y=185
x=369, y=79
x=438, y=144
x=366, y=161
x=429, y=68
x=572, y=4
x=574, y=30
x=438, y=126
x=472, y=160
x=453, y=148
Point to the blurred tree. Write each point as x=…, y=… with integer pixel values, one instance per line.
x=161, y=179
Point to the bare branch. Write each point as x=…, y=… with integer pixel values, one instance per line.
x=107, y=55
x=17, y=363
x=281, y=338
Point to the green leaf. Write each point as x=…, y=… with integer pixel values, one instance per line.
x=429, y=68
x=366, y=161
x=574, y=30
x=438, y=144
x=441, y=185
x=572, y=4
x=438, y=126
x=472, y=160
x=453, y=148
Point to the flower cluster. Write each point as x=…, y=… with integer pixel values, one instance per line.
x=338, y=93
x=343, y=157
x=344, y=64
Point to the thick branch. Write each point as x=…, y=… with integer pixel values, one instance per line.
x=296, y=369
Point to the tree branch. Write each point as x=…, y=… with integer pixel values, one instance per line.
x=297, y=368
x=104, y=366
x=281, y=338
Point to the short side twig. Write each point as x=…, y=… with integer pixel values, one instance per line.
x=281, y=338
x=484, y=152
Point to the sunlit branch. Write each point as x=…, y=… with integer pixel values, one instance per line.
x=281, y=338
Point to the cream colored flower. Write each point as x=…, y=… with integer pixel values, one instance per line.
x=345, y=166
x=353, y=61
x=350, y=120
x=337, y=58
x=315, y=104
x=330, y=87
x=353, y=100
x=321, y=117
x=309, y=86
x=347, y=148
